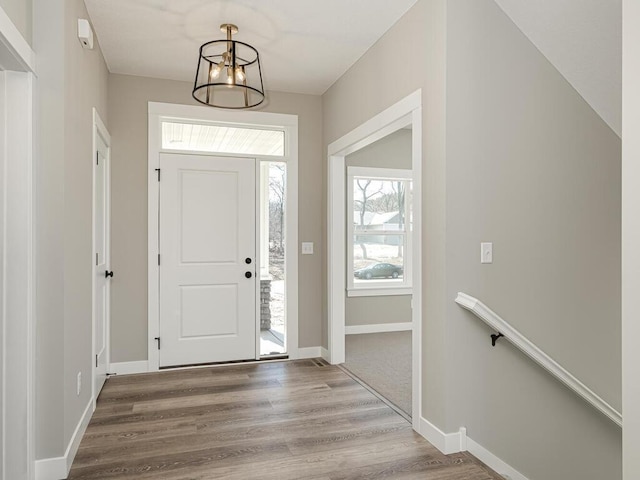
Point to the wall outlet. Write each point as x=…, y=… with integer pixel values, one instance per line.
x=79, y=384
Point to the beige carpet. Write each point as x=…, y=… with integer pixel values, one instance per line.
x=383, y=361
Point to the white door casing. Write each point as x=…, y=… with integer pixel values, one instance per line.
x=160, y=112
x=407, y=111
x=102, y=256
x=207, y=237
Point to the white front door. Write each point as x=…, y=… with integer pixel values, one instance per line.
x=101, y=263
x=207, y=259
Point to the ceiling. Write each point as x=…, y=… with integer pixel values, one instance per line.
x=305, y=45
x=583, y=40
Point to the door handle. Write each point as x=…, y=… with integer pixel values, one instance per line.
x=247, y=260
x=248, y=274
x=108, y=274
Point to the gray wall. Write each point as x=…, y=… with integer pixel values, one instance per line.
x=70, y=82
x=128, y=100
x=392, y=151
x=377, y=310
x=532, y=168
x=513, y=155
x=20, y=13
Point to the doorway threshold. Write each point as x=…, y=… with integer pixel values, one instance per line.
x=264, y=359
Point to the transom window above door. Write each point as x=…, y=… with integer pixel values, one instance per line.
x=198, y=137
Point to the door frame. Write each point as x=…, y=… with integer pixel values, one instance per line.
x=407, y=111
x=17, y=247
x=289, y=123
x=100, y=130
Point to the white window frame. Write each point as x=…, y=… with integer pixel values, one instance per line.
x=388, y=287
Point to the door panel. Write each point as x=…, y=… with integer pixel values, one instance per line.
x=207, y=230
x=201, y=241
x=101, y=283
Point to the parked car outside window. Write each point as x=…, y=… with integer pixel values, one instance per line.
x=379, y=270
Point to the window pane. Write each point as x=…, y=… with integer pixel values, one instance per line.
x=378, y=258
x=378, y=204
x=272, y=272
x=222, y=139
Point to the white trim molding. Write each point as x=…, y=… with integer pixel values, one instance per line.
x=449, y=443
x=307, y=352
x=17, y=253
x=537, y=355
x=378, y=328
x=15, y=52
x=129, y=368
x=59, y=467
x=17, y=269
x=493, y=462
x=407, y=111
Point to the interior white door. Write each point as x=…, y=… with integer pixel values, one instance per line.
x=102, y=264
x=207, y=259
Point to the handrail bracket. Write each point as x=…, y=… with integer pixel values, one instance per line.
x=495, y=337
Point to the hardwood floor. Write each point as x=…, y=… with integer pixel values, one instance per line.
x=284, y=420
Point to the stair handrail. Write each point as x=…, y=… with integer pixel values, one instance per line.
x=537, y=355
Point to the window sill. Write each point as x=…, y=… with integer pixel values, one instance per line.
x=379, y=291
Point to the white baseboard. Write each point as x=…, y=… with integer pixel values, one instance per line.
x=308, y=352
x=58, y=468
x=325, y=354
x=51, y=468
x=129, y=368
x=495, y=463
x=379, y=328
x=449, y=443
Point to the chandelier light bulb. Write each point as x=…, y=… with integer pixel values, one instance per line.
x=240, y=76
x=215, y=72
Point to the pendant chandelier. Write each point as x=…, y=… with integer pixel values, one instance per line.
x=229, y=74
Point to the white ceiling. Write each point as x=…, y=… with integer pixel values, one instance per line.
x=583, y=40
x=305, y=45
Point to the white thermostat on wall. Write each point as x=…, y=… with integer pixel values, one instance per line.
x=85, y=33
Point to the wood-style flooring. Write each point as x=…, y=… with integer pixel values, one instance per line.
x=268, y=421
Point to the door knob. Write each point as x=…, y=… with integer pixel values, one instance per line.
x=108, y=274
x=247, y=260
x=248, y=274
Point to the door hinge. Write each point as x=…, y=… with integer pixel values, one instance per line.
x=97, y=158
x=158, y=259
x=96, y=259
x=96, y=361
x=158, y=340
x=158, y=170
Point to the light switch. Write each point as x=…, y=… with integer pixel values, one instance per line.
x=307, y=248
x=486, y=252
